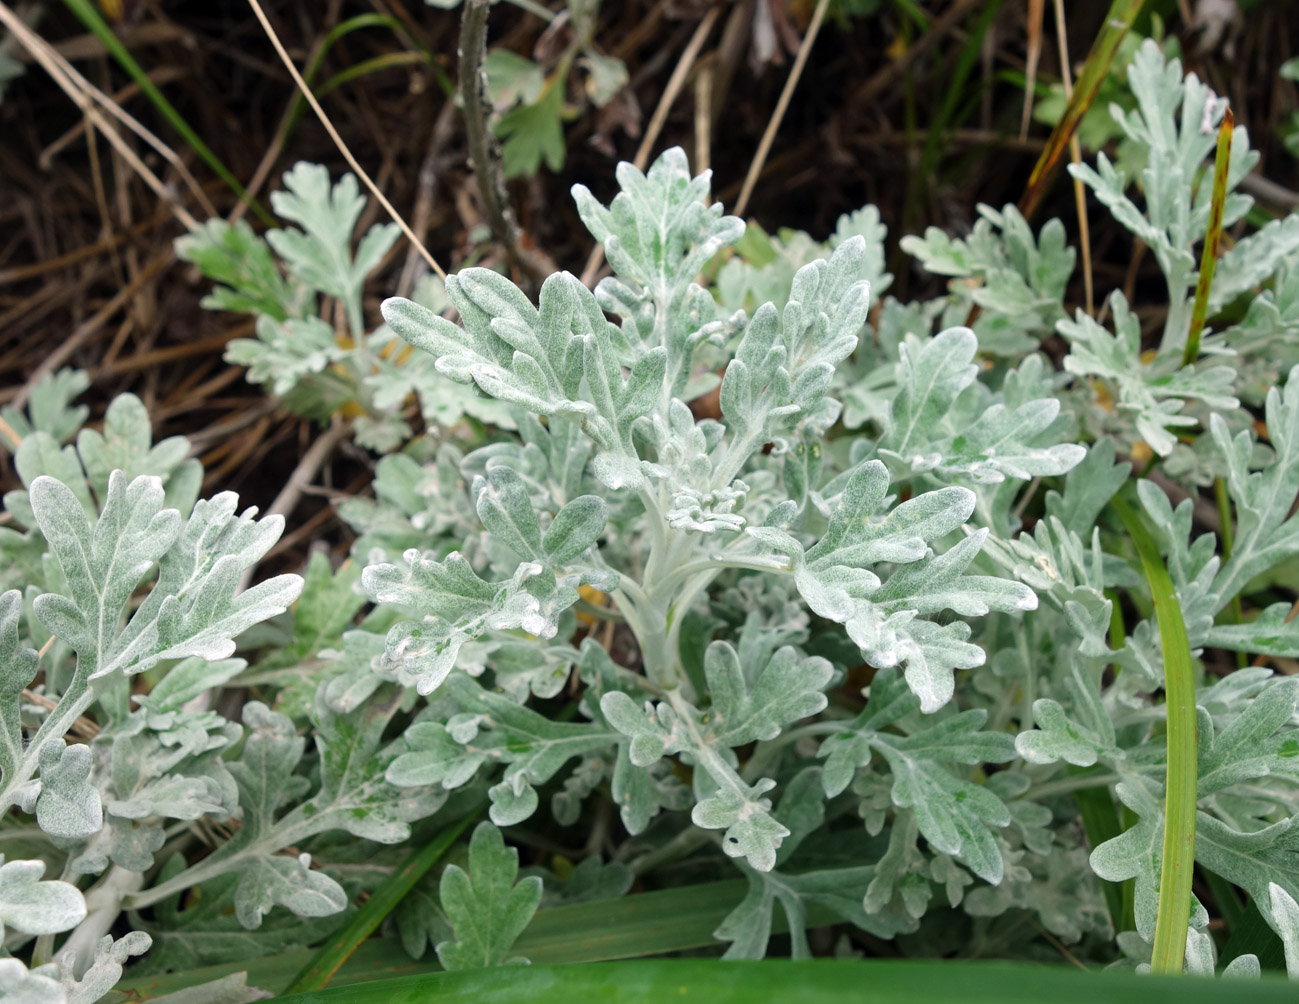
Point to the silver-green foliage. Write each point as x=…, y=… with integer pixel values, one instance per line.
x=750, y=560
x=848, y=665
x=279, y=278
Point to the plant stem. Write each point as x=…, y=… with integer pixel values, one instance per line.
x=1178, y=866
x=483, y=153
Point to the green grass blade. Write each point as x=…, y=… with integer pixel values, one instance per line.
x=818, y=982
x=97, y=26
x=339, y=947
x=1178, y=867
x=387, y=61
x=652, y=923
x=1209, y=255
x=1121, y=15
x=341, y=30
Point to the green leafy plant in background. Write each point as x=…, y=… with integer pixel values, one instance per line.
x=864, y=631
x=322, y=364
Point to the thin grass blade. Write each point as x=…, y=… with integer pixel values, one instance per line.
x=818, y=982
x=97, y=26
x=340, y=946
x=1178, y=866
x=1121, y=15
x=1212, y=237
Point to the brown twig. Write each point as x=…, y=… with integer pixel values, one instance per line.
x=484, y=154
x=782, y=105
x=51, y=62
x=75, y=340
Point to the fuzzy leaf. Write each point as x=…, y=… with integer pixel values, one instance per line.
x=786, y=689
x=320, y=254
x=487, y=909
x=457, y=607
x=241, y=263
x=33, y=906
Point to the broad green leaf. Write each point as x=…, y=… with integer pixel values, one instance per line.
x=531, y=132
x=486, y=907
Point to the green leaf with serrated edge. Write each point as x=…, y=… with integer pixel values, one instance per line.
x=1266, y=531
x=190, y=610
x=241, y=263
x=1154, y=393
x=840, y=891
x=486, y=908
x=66, y=804
x=105, y=968
x=833, y=576
x=267, y=881
x=327, y=606
x=1254, y=860
x=207, y=934
x=49, y=409
x=511, y=78
x=1000, y=443
x=265, y=769
x=320, y=254
x=1258, y=743
x=285, y=352
x=355, y=793
x=786, y=689
x=266, y=781
x=391, y=895
x=1272, y=632
x=533, y=748
x=1137, y=853
x=531, y=133
x=930, y=377
x=125, y=445
x=461, y=606
x=785, y=360
x=1088, y=488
